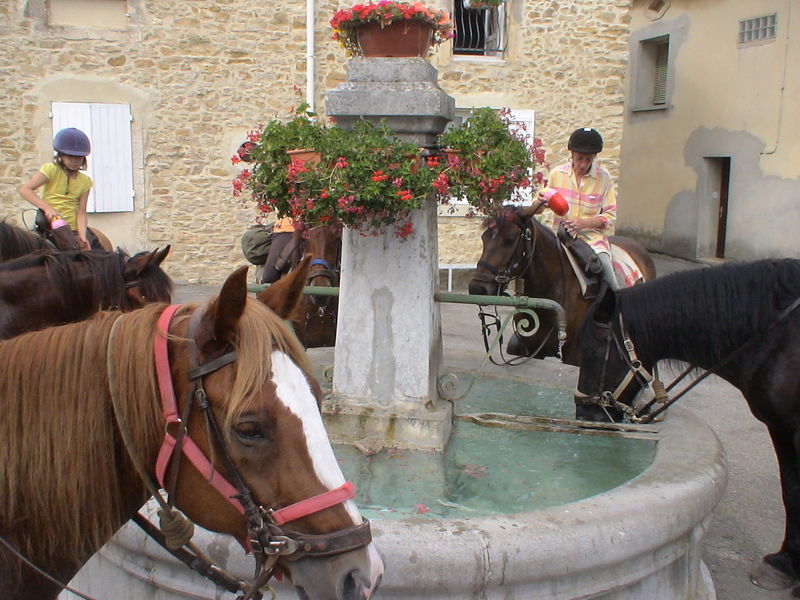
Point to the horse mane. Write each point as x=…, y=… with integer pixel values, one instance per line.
x=15, y=242
x=708, y=313
x=69, y=271
x=58, y=421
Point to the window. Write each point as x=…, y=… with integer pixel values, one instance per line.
x=480, y=29
x=760, y=28
x=106, y=14
x=651, y=74
x=110, y=165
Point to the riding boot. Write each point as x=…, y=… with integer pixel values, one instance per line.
x=608, y=270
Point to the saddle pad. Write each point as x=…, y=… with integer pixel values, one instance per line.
x=579, y=273
x=625, y=267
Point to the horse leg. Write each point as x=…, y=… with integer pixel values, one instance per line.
x=780, y=570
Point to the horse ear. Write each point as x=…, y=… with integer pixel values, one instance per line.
x=229, y=305
x=283, y=296
x=606, y=304
x=529, y=211
x=135, y=266
x=160, y=256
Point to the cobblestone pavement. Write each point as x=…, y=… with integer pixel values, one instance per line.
x=748, y=521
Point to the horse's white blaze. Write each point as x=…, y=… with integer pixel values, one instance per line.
x=293, y=390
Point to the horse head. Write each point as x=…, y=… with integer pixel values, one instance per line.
x=507, y=247
x=290, y=496
x=611, y=375
x=324, y=245
x=145, y=281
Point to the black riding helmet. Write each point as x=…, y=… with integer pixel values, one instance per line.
x=586, y=141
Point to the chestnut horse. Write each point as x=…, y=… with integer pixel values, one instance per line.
x=84, y=408
x=516, y=245
x=40, y=290
x=739, y=321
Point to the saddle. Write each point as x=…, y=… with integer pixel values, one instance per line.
x=585, y=262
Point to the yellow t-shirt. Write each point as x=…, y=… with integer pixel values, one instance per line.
x=63, y=193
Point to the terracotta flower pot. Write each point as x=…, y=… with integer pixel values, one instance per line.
x=398, y=39
x=304, y=156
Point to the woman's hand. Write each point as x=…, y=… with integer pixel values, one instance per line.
x=84, y=244
x=573, y=226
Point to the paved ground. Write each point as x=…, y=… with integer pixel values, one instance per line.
x=748, y=522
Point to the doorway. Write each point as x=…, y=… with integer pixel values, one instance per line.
x=713, y=209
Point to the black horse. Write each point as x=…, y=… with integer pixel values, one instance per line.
x=740, y=322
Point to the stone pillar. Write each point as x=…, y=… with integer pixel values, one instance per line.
x=389, y=340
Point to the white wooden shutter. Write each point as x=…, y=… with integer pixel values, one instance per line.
x=110, y=165
x=527, y=118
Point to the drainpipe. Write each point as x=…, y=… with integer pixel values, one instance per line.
x=779, y=123
x=310, y=58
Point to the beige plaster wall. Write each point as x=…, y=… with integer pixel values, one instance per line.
x=198, y=75
x=728, y=100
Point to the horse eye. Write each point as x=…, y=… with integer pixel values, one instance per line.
x=250, y=431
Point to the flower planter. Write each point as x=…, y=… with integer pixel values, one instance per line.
x=304, y=156
x=452, y=156
x=398, y=39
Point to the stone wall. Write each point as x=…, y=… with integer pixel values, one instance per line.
x=198, y=75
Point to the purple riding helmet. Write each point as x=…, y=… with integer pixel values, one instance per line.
x=72, y=141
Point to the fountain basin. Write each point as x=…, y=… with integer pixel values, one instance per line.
x=642, y=539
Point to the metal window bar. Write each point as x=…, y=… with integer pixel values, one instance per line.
x=480, y=31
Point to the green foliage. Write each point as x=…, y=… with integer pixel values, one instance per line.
x=368, y=179
x=493, y=162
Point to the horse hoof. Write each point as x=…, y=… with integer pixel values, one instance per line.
x=769, y=578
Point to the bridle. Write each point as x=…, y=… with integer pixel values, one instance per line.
x=606, y=399
x=636, y=371
x=267, y=539
x=519, y=264
x=516, y=266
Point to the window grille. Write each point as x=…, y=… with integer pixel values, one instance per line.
x=480, y=30
x=760, y=28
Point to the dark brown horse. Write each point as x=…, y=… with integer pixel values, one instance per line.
x=84, y=408
x=40, y=290
x=516, y=245
x=738, y=321
x=16, y=241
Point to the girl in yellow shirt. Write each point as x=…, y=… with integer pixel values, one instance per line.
x=66, y=190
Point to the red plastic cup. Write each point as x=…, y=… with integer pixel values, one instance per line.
x=556, y=202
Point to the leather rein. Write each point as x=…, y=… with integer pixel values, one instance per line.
x=267, y=539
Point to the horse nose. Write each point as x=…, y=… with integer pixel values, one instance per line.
x=320, y=301
x=357, y=586
x=478, y=288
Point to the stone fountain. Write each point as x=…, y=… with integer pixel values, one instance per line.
x=642, y=539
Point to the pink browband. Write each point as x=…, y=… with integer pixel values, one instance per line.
x=169, y=409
